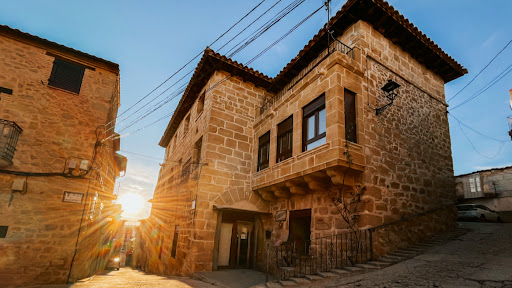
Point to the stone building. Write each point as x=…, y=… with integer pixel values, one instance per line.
x=351, y=134
x=492, y=188
x=58, y=160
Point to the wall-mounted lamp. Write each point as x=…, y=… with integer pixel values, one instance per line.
x=389, y=89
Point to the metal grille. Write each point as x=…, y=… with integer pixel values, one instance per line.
x=335, y=46
x=9, y=133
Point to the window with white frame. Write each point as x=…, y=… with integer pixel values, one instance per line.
x=474, y=184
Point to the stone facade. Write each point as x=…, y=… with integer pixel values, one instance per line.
x=59, y=128
x=494, y=189
x=400, y=165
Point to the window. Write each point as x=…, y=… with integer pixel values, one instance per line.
x=350, y=116
x=313, y=131
x=263, y=151
x=200, y=104
x=186, y=124
x=197, y=151
x=474, y=184
x=285, y=139
x=175, y=241
x=67, y=76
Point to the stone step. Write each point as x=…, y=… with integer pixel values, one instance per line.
x=339, y=271
x=287, y=283
x=273, y=285
x=287, y=269
x=392, y=259
x=366, y=266
x=353, y=269
x=402, y=254
x=313, y=277
x=379, y=264
x=327, y=274
x=300, y=281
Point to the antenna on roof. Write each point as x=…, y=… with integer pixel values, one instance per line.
x=328, y=8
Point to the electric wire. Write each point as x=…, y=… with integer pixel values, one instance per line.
x=227, y=77
x=502, y=142
x=480, y=71
x=264, y=28
x=487, y=86
x=190, y=61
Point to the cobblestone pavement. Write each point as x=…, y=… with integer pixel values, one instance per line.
x=129, y=278
x=480, y=258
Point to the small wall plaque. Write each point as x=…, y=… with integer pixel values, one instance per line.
x=72, y=197
x=280, y=216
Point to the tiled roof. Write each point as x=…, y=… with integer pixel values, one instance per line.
x=378, y=13
x=486, y=170
x=47, y=44
x=209, y=63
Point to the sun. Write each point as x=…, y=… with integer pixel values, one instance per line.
x=132, y=203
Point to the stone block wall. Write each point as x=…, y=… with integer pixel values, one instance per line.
x=58, y=126
x=222, y=177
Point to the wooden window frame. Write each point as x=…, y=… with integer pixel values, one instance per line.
x=313, y=108
x=264, y=142
x=285, y=130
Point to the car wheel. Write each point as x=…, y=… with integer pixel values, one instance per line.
x=499, y=220
x=482, y=218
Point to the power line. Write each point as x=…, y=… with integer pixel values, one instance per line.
x=476, y=131
x=480, y=71
x=487, y=86
x=473, y=145
x=262, y=29
x=190, y=61
x=226, y=78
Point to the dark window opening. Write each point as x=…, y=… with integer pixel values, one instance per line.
x=350, y=116
x=186, y=125
x=3, y=231
x=313, y=123
x=285, y=139
x=200, y=104
x=66, y=76
x=175, y=241
x=197, y=151
x=264, y=151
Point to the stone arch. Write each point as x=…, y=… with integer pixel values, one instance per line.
x=244, y=201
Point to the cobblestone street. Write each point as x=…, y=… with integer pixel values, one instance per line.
x=480, y=258
x=129, y=278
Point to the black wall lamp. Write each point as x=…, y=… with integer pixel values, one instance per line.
x=389, y=89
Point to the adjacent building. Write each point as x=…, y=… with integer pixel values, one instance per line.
x=491, y=188
x=351, y=134
x=58, y=161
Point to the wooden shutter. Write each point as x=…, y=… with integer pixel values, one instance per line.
x=66, y=76
x=350, y=116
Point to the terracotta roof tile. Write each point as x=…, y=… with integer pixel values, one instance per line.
x=35, y=40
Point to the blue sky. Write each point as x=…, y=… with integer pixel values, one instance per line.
x=152, y=39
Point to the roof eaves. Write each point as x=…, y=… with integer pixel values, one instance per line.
x=44, y=43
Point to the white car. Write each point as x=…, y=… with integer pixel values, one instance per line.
x=477, y=212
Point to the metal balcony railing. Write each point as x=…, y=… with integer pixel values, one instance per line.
x=334, y=46
x=9, y=134
x=301, y=258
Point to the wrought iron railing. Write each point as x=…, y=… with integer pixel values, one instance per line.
x=9, y=134
x=334, y=46
x=301, y=258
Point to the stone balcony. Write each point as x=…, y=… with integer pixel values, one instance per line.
x=310, y=171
